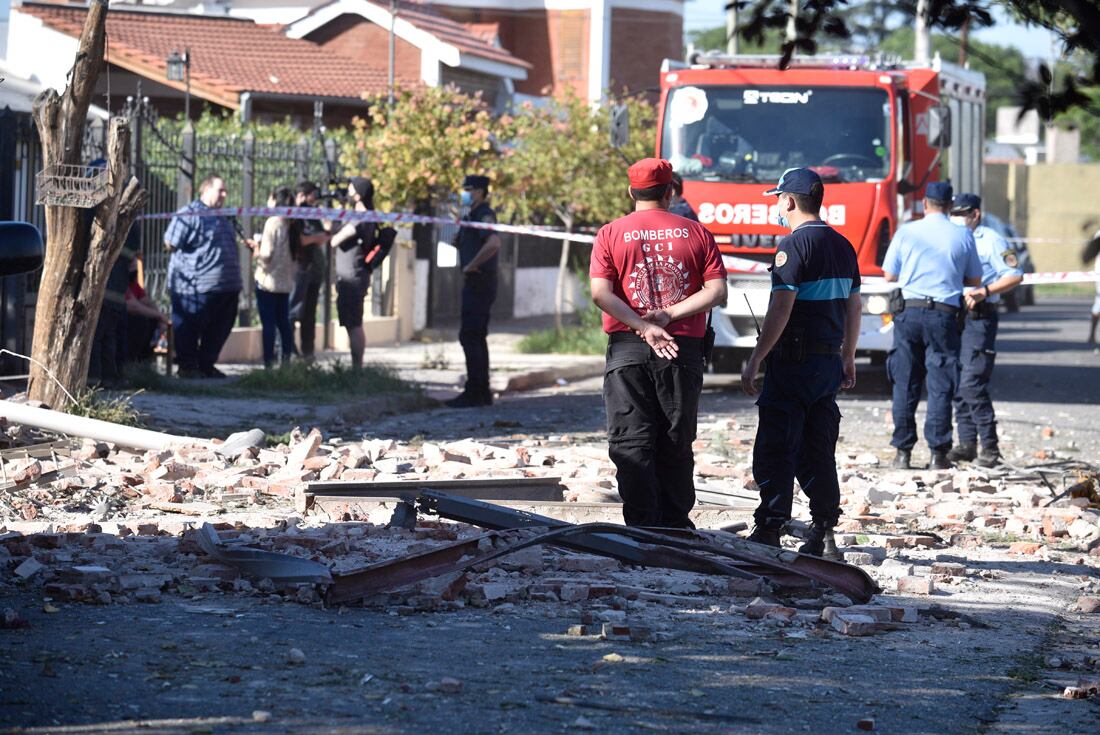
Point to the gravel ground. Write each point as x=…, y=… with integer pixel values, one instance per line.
x=186, y=667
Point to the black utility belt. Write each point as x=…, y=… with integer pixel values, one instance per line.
x=793, y=346
x=682, y=341
x=982, y=310
x=931, y=304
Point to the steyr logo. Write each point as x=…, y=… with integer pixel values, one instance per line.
x=756, y=97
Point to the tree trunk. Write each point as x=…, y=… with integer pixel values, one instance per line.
x=78, y=258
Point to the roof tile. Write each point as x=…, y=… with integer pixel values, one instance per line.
x=231, y=55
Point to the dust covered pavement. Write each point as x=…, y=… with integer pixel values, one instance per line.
x=115, y=619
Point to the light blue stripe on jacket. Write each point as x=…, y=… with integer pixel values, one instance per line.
x=825, y=289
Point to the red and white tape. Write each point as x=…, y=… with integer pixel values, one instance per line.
x=1062, y=277
x=351, y=215
x=732, y=263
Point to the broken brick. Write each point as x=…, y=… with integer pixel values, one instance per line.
x=916, y=585
x=760, y=608
x=948, y=569
x=855, y=624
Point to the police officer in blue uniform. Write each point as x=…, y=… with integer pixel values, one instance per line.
x=477, y=256
x=930, y=260
x=808, y=341
x=974, y=414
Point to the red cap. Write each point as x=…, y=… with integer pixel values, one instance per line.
x=650, y=172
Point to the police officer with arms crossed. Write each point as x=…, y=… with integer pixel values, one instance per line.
x=930, y=260
x=809, y=342
x=655, y=276
x=477, y=255
x=973, y=406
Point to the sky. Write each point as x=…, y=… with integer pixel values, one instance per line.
x=1033, y=42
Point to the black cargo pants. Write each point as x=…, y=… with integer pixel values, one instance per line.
x=652, y=411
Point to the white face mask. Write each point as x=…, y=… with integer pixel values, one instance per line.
x=958, y=220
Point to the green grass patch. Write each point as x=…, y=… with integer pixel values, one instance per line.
x=573, y=340
x=332, y=382
x=585, y=337
x=1065, y=289
x=93, y=403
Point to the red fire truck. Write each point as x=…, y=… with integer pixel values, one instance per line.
x=876, y=131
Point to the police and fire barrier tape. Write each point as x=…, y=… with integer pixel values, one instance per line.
x=732, y=263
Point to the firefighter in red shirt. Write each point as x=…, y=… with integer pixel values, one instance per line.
x=655, y=276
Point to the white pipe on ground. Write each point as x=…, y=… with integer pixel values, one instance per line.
x=104, y=431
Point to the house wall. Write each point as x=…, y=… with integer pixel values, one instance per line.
x=39, y=53
x=640, y=40
x=471, y=82
x=555, y=42
x=358, y=38
x=1051, y=201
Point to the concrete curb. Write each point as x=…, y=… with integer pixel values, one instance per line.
x=535, y=379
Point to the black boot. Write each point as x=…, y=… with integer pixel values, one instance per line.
x=766, y=536
x=901, y=459
x=940, y=461
x=963, y=453
x=990, y=457
x=819, y=541
x=469, y=400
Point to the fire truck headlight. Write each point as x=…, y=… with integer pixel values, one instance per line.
x=876, y=304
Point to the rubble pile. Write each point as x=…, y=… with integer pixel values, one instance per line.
x=94, y=524
x=94, y=482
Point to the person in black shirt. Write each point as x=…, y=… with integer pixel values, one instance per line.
x=358, y=248
x=809, y=341
x=680, y=205
x=477, y=255
x=310, y=275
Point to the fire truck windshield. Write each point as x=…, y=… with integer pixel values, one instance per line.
x=733, y=133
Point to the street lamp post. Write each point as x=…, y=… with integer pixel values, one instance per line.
x=179, y=70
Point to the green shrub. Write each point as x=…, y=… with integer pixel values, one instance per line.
x=94, y=403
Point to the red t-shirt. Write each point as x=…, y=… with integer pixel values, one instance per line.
x=656, y=259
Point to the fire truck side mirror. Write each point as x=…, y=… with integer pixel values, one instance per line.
x=939, y=126
x=620, y=126
x=21, y=248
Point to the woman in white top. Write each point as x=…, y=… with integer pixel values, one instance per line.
x=275, y=259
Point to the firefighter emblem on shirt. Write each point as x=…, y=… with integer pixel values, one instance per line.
x=780, y=259
x=658, y=282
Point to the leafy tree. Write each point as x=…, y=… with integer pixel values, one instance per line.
x=561, y=167
x=423, y=147
x=1005, y=68
x=1076, y=22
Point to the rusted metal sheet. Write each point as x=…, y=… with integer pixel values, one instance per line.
x=262, y=564
x=518, y=488
x=405, y=570
x=778, y=564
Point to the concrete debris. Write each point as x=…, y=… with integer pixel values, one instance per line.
x=101, y=524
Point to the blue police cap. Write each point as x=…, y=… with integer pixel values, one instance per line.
x=795, y=181
x=966, y=202
x=939, y=191
x=474, y=181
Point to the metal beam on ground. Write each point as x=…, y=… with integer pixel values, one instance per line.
x=513, y=488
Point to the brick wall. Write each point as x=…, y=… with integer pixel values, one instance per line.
x=355, y=37
x=542, y=38
x=640, y=40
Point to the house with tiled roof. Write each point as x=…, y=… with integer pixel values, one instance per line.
x=426, y=43
x=236, y=63
x=261, y=70
x=587, y=46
